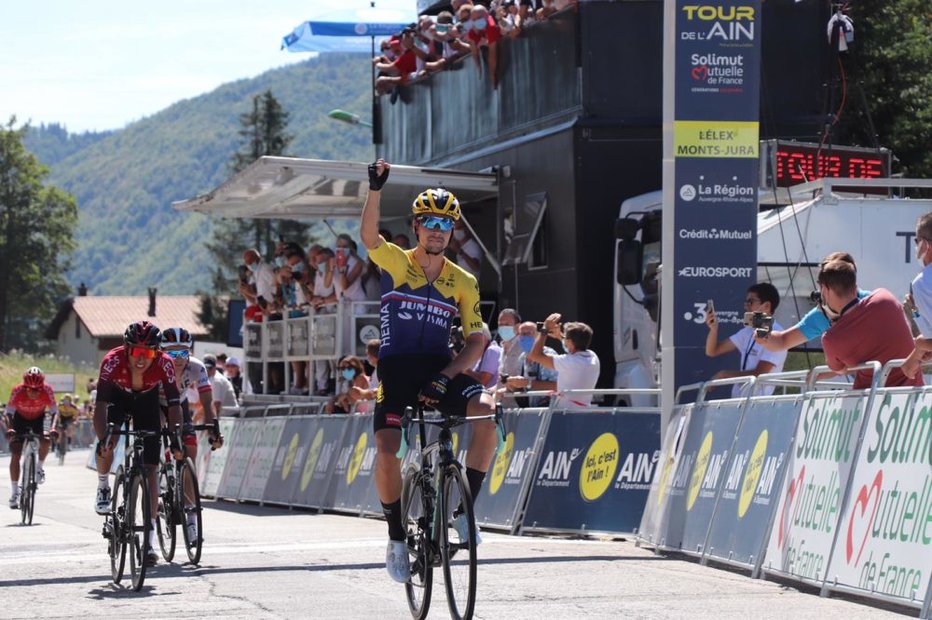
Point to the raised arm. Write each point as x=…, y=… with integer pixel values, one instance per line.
x=369, y=222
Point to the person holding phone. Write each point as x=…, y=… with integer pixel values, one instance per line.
x=755, y=359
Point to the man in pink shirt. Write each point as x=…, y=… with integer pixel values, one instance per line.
x=869, y=329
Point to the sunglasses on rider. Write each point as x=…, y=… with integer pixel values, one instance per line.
x=144, y=352
x=176, y=353
x=433, y=222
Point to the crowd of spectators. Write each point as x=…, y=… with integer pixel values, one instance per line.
x=437, y=42
x=296, y=280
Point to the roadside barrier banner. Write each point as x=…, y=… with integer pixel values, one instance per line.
x=234, y=469
x=352, y=485
x=657, y=517
x=321, y=461
x=693, y=485
x=752, y=480
x=884, y=544
x=813, y=489
x=260, y=461
x=506, y=483
x=210, y=463
x=594, y=472
x=293, y=449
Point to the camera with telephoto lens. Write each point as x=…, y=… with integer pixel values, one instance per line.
x=760, y=321
x=815, y=297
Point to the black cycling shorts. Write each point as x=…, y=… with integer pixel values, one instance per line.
x=65, y=422
x=403, y=376
x=146, y=416
x=22, y=425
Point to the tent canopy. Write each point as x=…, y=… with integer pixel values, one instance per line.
x=293, y=188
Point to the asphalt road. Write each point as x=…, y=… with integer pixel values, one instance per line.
x=265, y=562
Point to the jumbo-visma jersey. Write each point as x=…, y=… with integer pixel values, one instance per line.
x=416, y=316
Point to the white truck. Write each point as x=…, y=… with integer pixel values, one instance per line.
x=796, y=227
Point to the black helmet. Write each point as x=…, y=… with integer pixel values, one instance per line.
x=143, y=334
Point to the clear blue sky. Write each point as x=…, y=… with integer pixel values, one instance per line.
x=102, y=64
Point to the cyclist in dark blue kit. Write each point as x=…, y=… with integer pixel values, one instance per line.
x=422, y=292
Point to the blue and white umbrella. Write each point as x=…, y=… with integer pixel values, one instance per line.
x=347, y=30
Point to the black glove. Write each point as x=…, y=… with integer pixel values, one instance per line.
x=436, y=389
x=376, y=180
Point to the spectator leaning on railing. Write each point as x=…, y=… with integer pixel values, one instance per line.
x=870, y=329
x=531, y=376
x=578, y=368
x=485, y=33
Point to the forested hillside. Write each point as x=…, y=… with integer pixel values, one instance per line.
x=129, y=237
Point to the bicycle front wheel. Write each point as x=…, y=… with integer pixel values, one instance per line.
x=62, y=447
x=166, y=522
x=115, y=523
x=137, y=528
x=416, y=518
x=193, y=526
x=457, y=543
x=28, y=496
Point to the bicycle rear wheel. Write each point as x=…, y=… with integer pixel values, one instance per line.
x=28, y=496
x=166, y=524
x=458, y=552
x=137, y=528
x=416, y=518
x=115, y=523
x=191, y=504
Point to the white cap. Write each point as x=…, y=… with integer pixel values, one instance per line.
x=233, y=361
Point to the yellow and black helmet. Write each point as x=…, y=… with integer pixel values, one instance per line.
x=436, y=202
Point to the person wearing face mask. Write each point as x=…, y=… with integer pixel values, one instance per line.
x=578, y=368
x=870, y=329
x=352, y=376
x=508, y=320
x=813, y=324
x=532, y=376
x=261, y=284
x=484, y=33
x=465, y=250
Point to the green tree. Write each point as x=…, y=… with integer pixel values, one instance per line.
x=892, y=58
x=37, y=223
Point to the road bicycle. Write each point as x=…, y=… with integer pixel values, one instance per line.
x=437, y=512
x=128, y=525
x=27, y=496
x=175, y=505
x=61, y=446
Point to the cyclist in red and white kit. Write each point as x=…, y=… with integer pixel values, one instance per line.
x=131, y=378
x=25, y=411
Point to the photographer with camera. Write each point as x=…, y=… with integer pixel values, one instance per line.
x=815, y=322
x=578, y=368
x=760, y=302
x=867, y=329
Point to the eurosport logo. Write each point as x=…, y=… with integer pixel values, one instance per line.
x=717, y=73
x=715, y=234
x=731, y=24
x=715, y=272
x=713, y=193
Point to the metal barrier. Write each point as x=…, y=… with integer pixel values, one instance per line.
x=322, y=335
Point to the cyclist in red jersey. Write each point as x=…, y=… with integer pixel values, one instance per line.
x=130, y=379
x=25, y=411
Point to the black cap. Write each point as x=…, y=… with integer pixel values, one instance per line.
x=210, y=360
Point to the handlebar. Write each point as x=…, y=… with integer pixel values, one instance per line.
x=449, y=422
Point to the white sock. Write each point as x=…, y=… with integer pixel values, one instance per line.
x=15, y=485
x=103, y=481
x=41, y=464
x=153, y=534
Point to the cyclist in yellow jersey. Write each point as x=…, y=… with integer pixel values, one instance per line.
x=421, y=294
x=67, y=414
